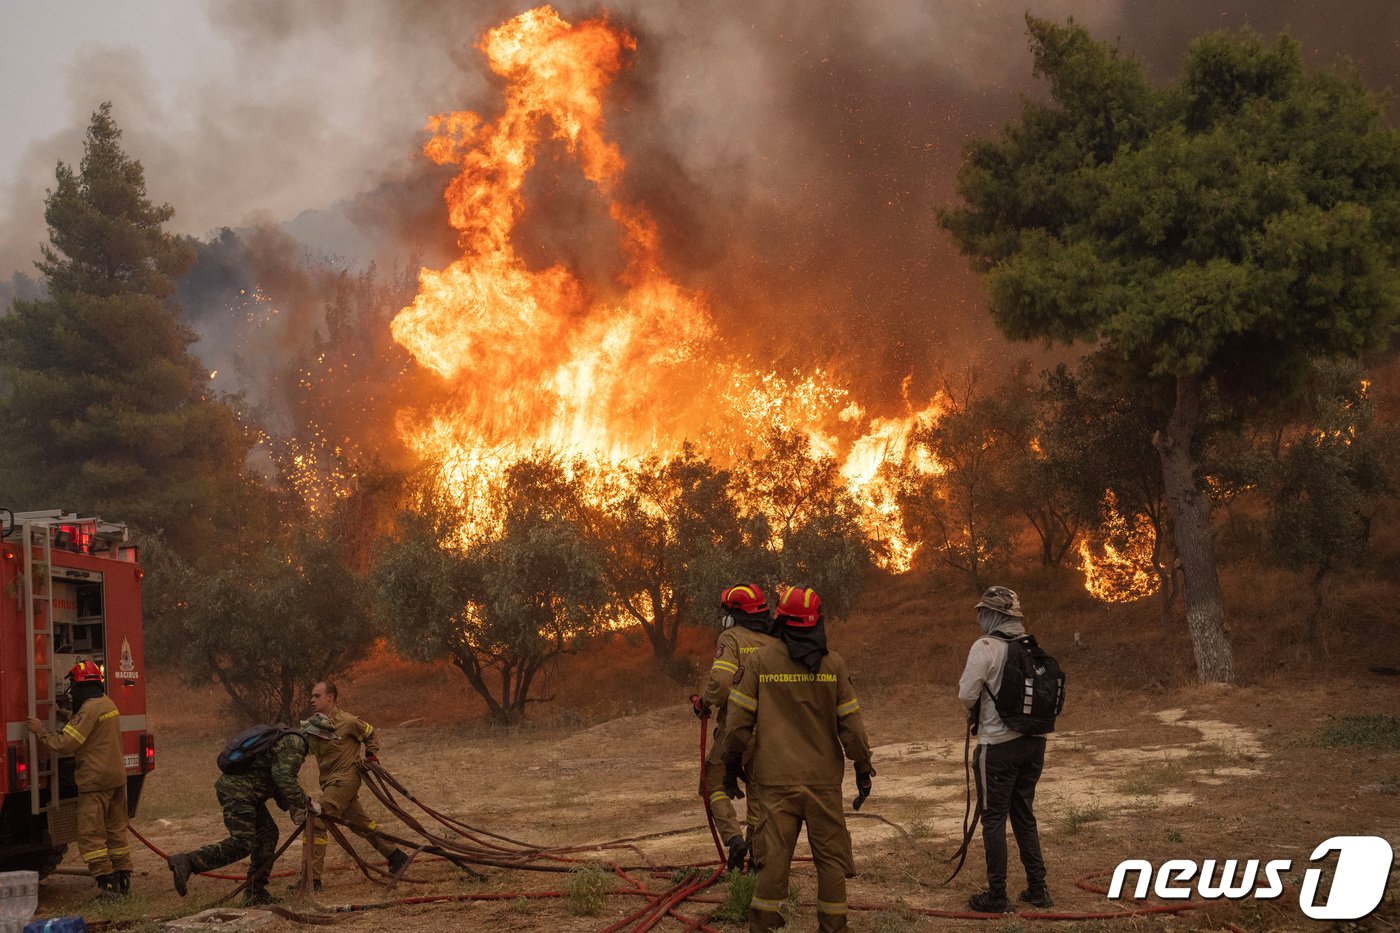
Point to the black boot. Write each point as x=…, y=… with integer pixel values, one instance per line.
x=124, y=882
x=990, y=902
x=1038, y=897
x=257, y=895
x=398, y=861
x=181, y=867
x=108, y=886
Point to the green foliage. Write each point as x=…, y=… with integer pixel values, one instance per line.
x=1330, y=480
x=804, y=525
x=1362, y=732
x=670, y=534
x=964, y=512
x=735, y=909
x=529, y=588
x=1250, y=204
x=108, y=411
x=1243, y=219
x=268, y=628
x=1076, y=817
x=897, y=919
x=587, y=890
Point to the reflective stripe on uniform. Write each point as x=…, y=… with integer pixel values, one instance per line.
x=373, y=824
x=323, y=841
x=120, y=850
x=845, y=709
x=718, y=796
x=94, y=855
x=743, y=699
x=369, y=730
x=74, y=734
x=825, y=908
x=108, y=715
x=763, y=903
x=729, y=667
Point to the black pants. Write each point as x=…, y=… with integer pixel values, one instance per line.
x=1006, y=778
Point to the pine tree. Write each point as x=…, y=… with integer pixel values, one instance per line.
x=1224, y=228
x=106, y=409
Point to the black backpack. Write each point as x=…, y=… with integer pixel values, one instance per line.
x=247, y=746
x=1032, y=691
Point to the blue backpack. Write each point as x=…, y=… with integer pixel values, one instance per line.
x=247, y=746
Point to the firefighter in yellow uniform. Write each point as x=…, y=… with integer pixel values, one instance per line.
x=93, y=736
x=336, y=739
x=747, y=627
x=794, y=699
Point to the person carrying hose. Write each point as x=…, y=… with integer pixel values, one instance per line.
x=746, y=627
x=795, y=702
x=337, y=739
x=270, y=773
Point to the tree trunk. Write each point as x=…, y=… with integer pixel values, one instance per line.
x=1194, y=538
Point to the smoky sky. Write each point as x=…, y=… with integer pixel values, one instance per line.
x=794, y=153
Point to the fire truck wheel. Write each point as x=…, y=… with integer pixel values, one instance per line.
x=44, y=861
x=49, y=860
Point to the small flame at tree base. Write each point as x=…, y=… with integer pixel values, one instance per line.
x=1122, y=571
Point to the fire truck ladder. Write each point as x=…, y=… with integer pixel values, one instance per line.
x=38, y=627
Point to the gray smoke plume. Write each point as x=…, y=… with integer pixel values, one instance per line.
x=794, y=153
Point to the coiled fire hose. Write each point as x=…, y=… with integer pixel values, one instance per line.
x=475, y=846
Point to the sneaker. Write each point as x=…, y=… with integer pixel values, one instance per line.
x=181, y=867
x=1037, y=897
x=988, y=903
x=738, y=852
x=398, y=861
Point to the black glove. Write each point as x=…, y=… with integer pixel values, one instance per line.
x=731, y=783
x=863, y=784
x=698, y=707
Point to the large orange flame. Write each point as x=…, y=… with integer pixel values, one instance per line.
x=532, y=361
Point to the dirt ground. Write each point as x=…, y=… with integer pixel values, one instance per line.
x=1190, y=773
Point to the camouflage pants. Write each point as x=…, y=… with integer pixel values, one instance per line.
x=102, y=838
x=339, y=798
x=251, y=830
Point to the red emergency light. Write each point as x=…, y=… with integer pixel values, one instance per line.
x=148, y=751
x=18, y=767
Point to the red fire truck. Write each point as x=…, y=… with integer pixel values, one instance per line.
x=70, y=591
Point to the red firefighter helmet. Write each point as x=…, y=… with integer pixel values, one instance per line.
x=800, y=607
x=85, y=672
x=745, y=597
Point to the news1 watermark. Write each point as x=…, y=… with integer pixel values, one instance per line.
x=1359, y=878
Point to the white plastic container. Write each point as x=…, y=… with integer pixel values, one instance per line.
x=19, y=898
